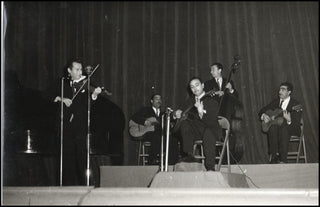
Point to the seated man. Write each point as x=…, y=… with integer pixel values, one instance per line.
x=198, y=120
x=281, y=119
x=146, y=124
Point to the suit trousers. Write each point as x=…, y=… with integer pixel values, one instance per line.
x=192, y=130
x=74, y=155
x=278, y=141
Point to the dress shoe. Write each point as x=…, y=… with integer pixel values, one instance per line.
x=274, y=160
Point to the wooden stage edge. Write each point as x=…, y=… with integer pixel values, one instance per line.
x=288, y=184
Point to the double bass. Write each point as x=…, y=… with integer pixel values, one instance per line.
x=232, y=108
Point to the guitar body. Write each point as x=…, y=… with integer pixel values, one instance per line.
x=265, y=126
x=275, y=118
x=138, y=131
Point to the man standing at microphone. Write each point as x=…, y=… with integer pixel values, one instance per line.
x=75, y=117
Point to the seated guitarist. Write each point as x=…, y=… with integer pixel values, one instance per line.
x=202, y=123
x=148, y=120
x=279, y=133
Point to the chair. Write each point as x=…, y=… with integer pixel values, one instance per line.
x=225, y=125
x=298, y=139
x=142, y=151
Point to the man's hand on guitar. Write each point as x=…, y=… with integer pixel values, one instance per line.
x=199, y=106
x=265, y=118
x=177, y=114
x=150, y=121
x=219, y=93
x=287, y=116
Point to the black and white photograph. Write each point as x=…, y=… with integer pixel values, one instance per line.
x=159, y=103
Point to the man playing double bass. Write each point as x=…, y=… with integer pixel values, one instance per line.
x=230, y=106
x=225, y=90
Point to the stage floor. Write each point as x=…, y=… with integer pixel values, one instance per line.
x=286, y=184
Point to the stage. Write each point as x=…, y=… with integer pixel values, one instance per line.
x=183, y=184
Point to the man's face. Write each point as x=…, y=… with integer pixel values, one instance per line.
x=76, y=71
x=196, y=87
x=215, y=72
x=283, y=92
x=156, y=101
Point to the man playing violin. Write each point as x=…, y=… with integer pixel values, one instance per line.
x=280, y=132
x=75, y=122
x=220, y=85
x=201, y=123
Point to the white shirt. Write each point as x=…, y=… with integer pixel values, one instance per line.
x=76, y=81
x=156, y=111
x=219, y=81
x=285, y=103
x=201, y=95
x=80, y=79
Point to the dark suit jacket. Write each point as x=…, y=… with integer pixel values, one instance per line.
x=145, y=113
x=212, y=84
x=209, y=118
x=79, y=106
x=294, y=127
x=229, y=99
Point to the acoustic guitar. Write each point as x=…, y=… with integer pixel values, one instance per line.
x=276, y=118
x=138, y=131
x=185, y=113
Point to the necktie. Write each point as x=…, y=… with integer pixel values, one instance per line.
x=280, y=105
x=73, y=88
x=158, y=112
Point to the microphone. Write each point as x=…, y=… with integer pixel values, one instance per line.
x=169, y=109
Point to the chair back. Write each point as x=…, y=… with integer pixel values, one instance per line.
x=224, y=123
x=301, y=125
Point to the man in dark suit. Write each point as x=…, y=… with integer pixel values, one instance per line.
x=201, y=123
x=74, y=120
x=219, y=84
x=279, y=135
x=150, y=117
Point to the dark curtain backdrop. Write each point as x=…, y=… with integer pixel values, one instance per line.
x=140, y=45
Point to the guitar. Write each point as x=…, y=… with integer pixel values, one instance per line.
x=138, y=131
x=184, y=114
x=276, y=119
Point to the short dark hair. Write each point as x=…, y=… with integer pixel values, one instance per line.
x=155, y=94
x=69, y=65
x=219, y=65
x=288, y=85
x=74, y=60
x=195, y=78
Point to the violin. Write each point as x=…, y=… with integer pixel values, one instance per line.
x=83, y=84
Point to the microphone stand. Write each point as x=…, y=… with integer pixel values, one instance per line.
x=61, y=129
x=167, y=137
x=88, y=135
x=161, y=154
